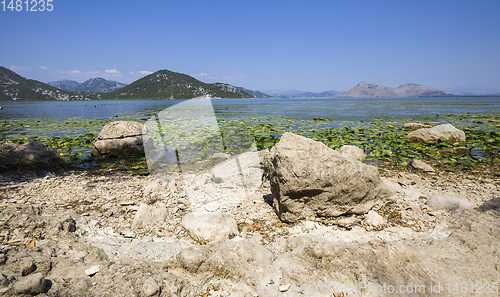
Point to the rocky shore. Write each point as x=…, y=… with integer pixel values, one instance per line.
x=57, y=226
x=298, y=220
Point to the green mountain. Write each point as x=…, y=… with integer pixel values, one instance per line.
x=162, y=84
x=14, y=87
x=165, y=84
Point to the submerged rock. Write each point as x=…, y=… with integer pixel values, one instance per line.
x=309, y=179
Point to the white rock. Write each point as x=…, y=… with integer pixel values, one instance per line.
x=209, y=226
x=284, y=288
x=92, y=270
x=449, y=201
x=243, y=170
x=150, y=287
x=128, y=233
x=149, y=215
x=374, y=219
x=448, y=131
x=419, y=164
x=308, y=225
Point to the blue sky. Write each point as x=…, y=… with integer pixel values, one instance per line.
x=262, y=45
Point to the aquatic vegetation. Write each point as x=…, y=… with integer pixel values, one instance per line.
x=382, y=139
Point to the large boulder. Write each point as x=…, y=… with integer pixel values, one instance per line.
x=309, y=179
x=30, y=154
x=448, y=131
x=120, y=138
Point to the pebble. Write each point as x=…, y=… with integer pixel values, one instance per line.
x=92, y=270
x=284, y=288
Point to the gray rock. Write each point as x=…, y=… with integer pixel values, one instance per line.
x=209, y=226
x=151, y=287
x=4, y=281
x=449, y=201
x=448, y=131
x=30, y=154
x=33, y=284
x=149, y=215
x=121, y=138
x=309, y=179
x=421, y=165
x=416, y=126
x=353, y=152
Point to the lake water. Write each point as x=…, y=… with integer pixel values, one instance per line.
x=294, y=108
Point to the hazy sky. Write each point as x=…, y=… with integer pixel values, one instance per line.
x=306, y=45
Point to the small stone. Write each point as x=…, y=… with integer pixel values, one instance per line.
x=419, y=164
x=33, y=284
x=150, y=287
x=374, y=219
x=128, y=233
x=92, y=270
x=127, y=203
x=284, y=288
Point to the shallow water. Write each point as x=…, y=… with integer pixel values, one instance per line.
x=294, y=108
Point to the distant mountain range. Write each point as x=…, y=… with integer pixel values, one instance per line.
x=408, y=90
x=15, y=87
x=256, y=94
x=93, y=85
x=163, y=84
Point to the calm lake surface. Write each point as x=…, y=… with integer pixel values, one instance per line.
x=294, y=108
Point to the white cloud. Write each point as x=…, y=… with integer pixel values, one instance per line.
x=93, y=72
x=44, y=67
x=203, y=74
x=112, y=71
x=144, y=72
x=75, y=72
x=17, y=68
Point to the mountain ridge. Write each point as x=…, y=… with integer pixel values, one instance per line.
x=163, y=84
x=93, y=85
x=370, y=90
